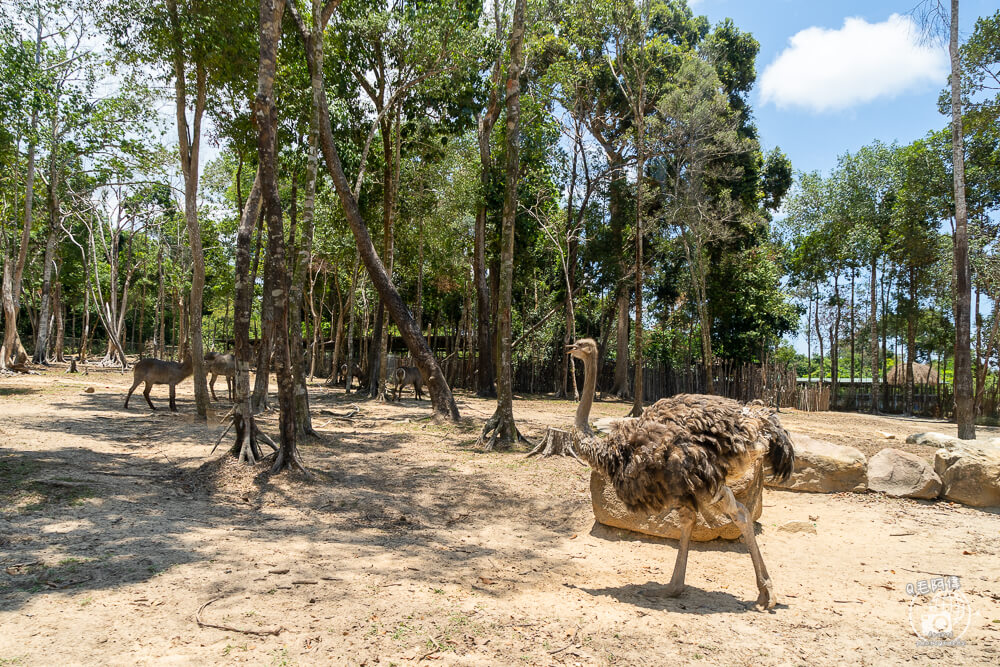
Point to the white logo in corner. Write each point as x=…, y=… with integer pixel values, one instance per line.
x=939, y=614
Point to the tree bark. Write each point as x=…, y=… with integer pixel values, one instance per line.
x=500, y=430
x=245, y=448
x=964, y=409
x=873, y=322
x=266, y=116
x=189, y=142
x=42, y=342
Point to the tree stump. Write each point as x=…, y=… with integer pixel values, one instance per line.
x=557, y=442
x=72, y=367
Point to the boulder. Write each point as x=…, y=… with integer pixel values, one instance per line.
x=610, y=511
x=932, y=439
x=823, y=467
x=902, y=475
x=970, y=473
x=798, y=527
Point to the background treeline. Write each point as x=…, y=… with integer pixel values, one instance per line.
x=116, y=228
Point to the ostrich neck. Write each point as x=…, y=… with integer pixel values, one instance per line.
x=587, y=399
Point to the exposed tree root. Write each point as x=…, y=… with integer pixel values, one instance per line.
x=500, y=431
x=557, y=442
x=283, y=461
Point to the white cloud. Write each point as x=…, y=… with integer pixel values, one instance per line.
x=827, y=70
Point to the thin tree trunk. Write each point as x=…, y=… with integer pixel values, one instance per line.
x=639, y=116
x=60, y=309
x=189, y=142
x=873, y=322
x=245, y=448
x=964, y=410
x=500, y=430
x=266, y=116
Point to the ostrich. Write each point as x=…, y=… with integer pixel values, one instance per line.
x=683, y=452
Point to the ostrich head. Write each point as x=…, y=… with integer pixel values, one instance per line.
x=585, y=350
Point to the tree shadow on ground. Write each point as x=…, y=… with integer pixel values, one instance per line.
x=80, y=519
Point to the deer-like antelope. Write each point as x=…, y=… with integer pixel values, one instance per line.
x=405, y=376
x=221, y=364
x=155, y=371
x=357, y=374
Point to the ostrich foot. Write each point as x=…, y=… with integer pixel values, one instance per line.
x=766, y=600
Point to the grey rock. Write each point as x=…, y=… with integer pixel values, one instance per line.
x=902, y=475
x=970, y=473
x=823, y=467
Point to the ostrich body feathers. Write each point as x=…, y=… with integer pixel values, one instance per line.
x=683, y=449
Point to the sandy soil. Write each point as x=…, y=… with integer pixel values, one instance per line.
x=409, y=545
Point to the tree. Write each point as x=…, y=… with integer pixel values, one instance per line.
x=500, y=429
x=696, y=140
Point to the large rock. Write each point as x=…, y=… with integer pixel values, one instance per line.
x=902, y=475
x=823, y=467
x=970, y=473
x=609, y=510
x=932, y=439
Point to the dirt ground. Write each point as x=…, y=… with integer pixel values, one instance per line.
x=119, y=530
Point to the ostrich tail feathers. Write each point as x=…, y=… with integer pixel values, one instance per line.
x=780, y=453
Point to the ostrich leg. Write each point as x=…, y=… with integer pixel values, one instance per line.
x=676, y=585
x=738, y=513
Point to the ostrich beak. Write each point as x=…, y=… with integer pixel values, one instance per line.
x=570, y=348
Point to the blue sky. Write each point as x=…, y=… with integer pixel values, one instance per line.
x=843, y=84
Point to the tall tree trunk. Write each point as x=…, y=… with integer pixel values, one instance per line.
x=265, y=344
x=266, y=116
x=189, y=143
x=442, y=401
x=161, y=332
x=299, y=251
x=911, y=340
x=485, y=385
x=964, y=411
x=819, y=339
x=835, y=342
x=873, y=322
x=60, y=311
x=566, y=361
x=245, y=448
x=42, y=343
x=352, y=318
x=640, y=150
x=620, y=387
x=303, y=420
x=390, y=143
x=500, y=430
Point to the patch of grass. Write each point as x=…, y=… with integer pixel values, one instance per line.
x=401, y=631
x=280, y=657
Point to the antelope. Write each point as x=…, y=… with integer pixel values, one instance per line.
x=356, y=374
x=155, y=371
x=407, y=375
x=221, y=364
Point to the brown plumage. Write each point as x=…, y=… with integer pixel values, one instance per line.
x=682, y=452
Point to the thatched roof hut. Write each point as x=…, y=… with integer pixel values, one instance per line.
x=922, y=374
